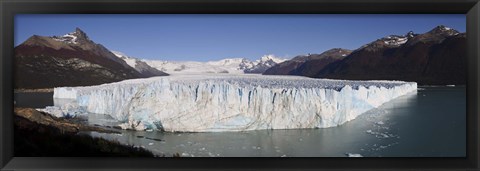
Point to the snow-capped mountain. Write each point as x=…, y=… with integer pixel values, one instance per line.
x=229, y=65
x=190, y=67
x=435, y=35
x=69, y=60
x=139, y=65
x=264, y=63
x=70, y=38
x=436, y=57
x=390, y=41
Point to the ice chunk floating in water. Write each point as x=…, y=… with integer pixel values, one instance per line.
x=205, y=103
x=353, y=155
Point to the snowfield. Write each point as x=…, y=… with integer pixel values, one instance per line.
x=228, y=65
x=227, y=102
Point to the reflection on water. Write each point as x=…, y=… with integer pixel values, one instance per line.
x=33, y=99
x=428, y=123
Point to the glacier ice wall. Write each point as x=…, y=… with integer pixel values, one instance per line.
x=205, y=103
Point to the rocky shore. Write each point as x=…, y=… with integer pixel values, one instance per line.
x=40, y=134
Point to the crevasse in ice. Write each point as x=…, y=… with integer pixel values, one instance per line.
x=208, y=103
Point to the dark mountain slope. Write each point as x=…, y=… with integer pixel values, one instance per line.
x=69, y=60
x=437, y=57
x=308, y=65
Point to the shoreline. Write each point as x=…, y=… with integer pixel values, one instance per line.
x=43, y=135
x=39, y=90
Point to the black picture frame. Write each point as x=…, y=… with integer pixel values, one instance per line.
x=9, y=8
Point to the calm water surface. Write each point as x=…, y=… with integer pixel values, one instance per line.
x=33, y=100
x=429, y=123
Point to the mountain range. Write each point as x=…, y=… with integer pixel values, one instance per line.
x=229, y=65
x=308, y=65
x=75, y=60
x=139, y=65
x=437, y=57
x=69, y=60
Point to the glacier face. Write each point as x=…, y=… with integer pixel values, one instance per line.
x=208, y=103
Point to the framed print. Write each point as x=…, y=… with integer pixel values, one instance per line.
x=215, y=85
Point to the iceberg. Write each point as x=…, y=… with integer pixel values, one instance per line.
x=353, y=155
x=228, y=102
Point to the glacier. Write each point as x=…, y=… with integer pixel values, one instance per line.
x=228, y=102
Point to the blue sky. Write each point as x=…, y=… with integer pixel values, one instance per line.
x=213, y=37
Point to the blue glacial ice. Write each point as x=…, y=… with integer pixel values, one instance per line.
x=211, y=103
